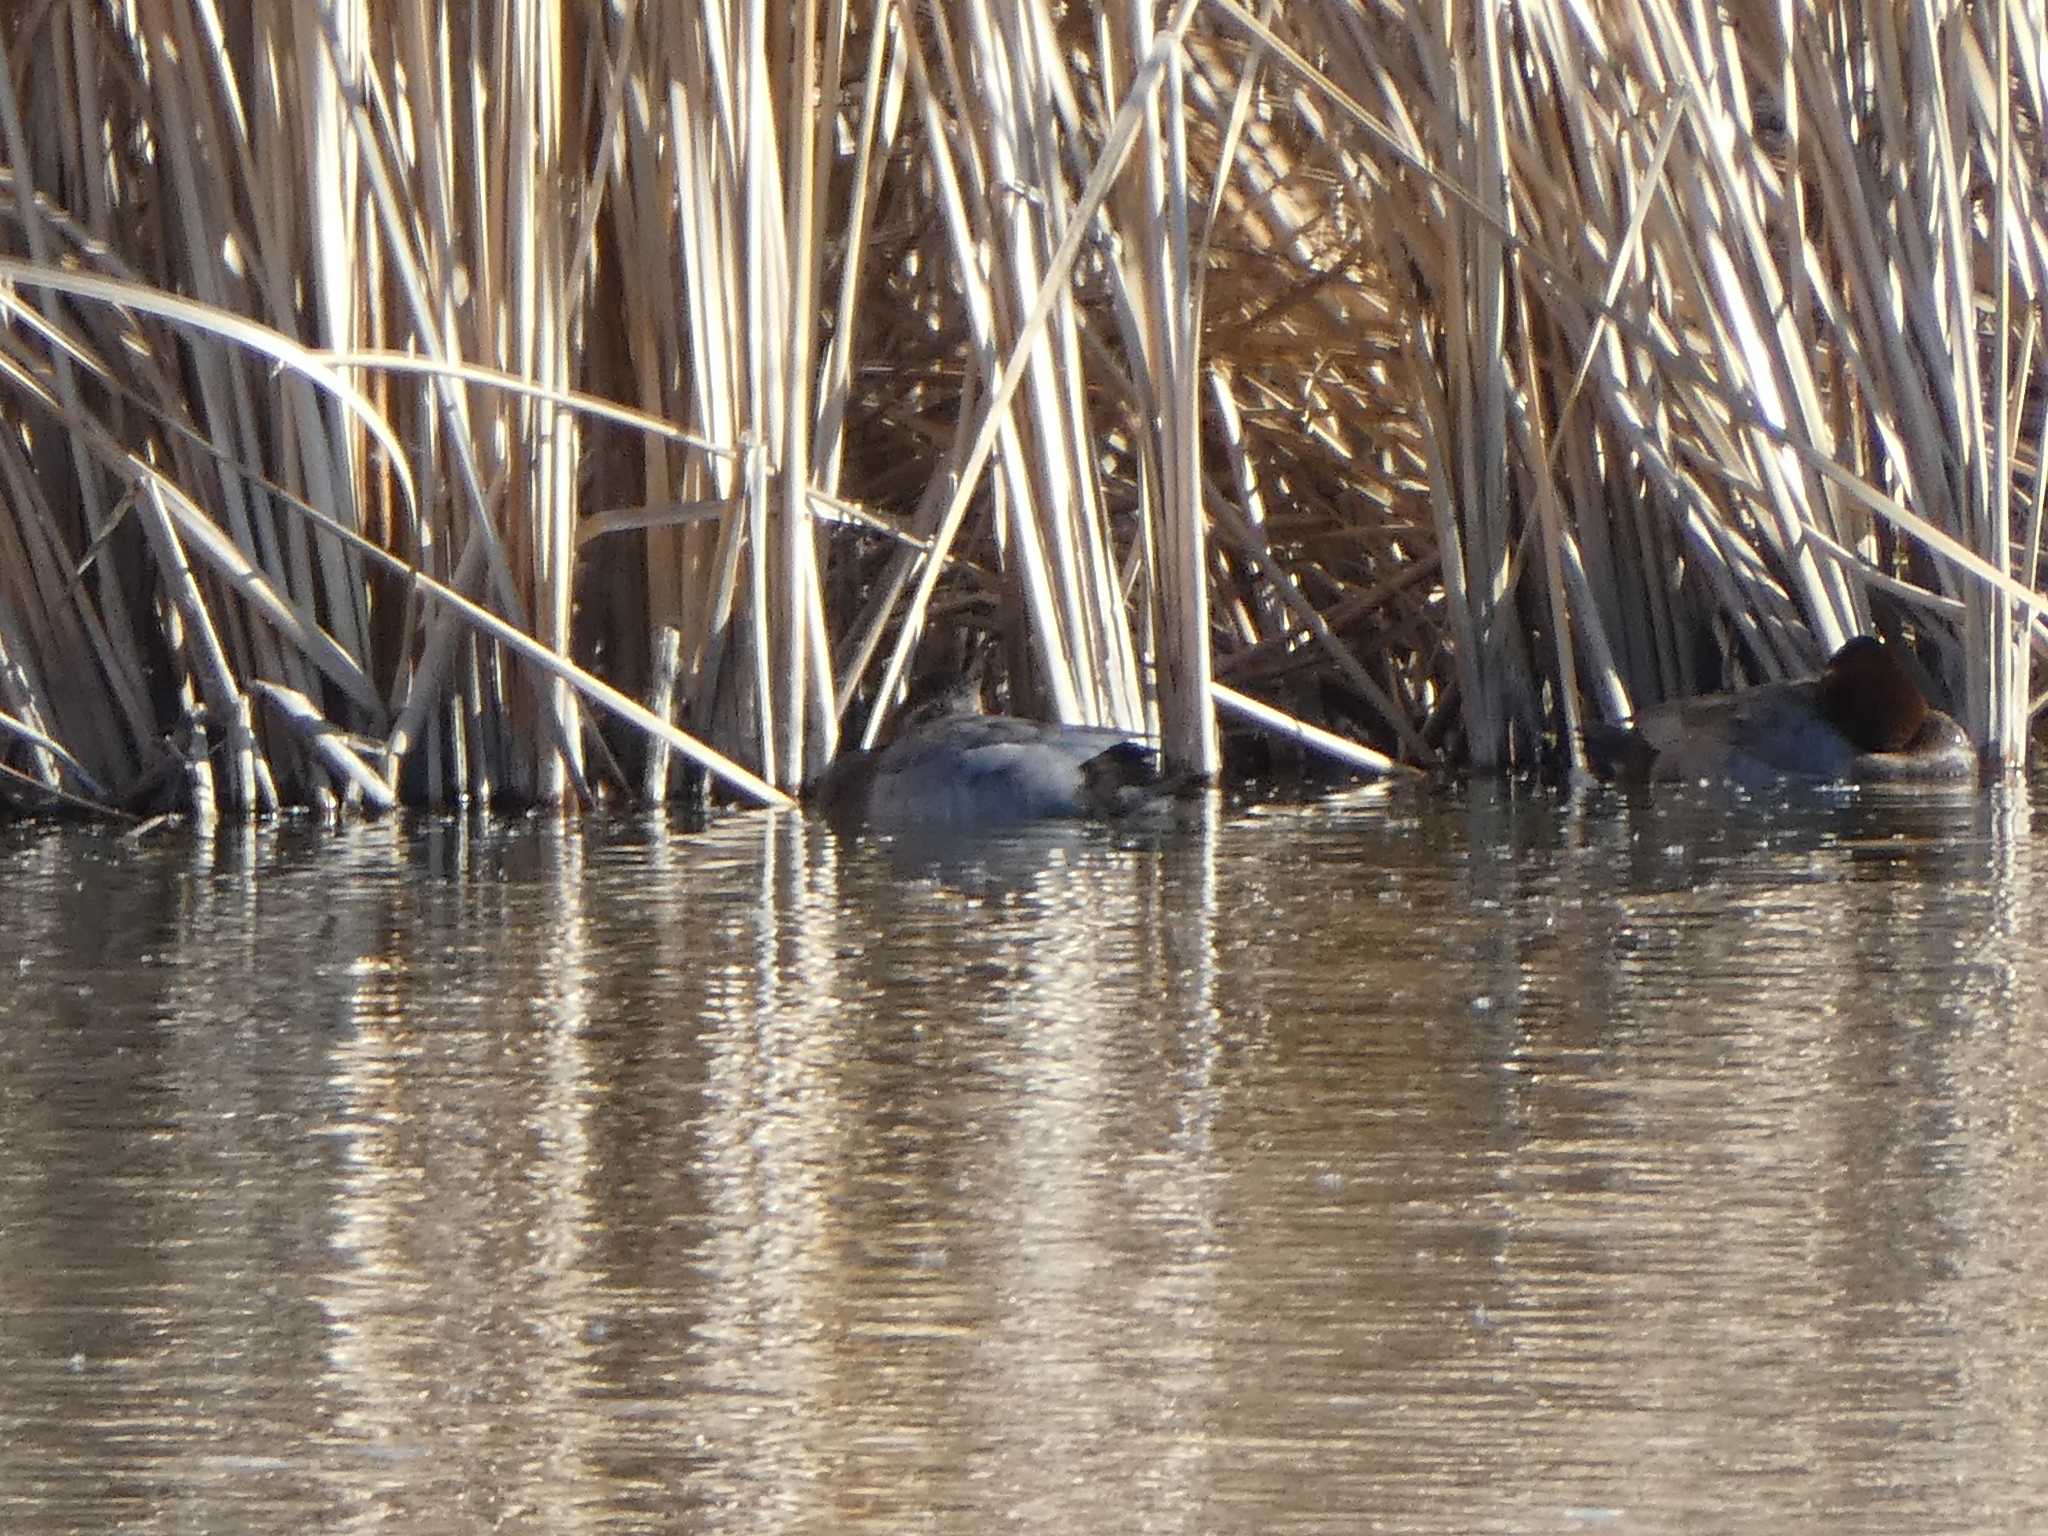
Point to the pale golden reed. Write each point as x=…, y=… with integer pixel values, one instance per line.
x=620, y=396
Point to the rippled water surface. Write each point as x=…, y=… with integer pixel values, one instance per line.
x=1478, y=1163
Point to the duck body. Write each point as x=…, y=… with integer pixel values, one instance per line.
x=1862, y=720
x=973, y=772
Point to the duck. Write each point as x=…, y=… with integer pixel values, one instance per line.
x=952, y=768
x=1862, y=720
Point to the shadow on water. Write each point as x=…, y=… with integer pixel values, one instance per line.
x=1475, y=1162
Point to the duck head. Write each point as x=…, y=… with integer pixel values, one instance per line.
x=842, y=791
x=1870, y=697
x=939, y=696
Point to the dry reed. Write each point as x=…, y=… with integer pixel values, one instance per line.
x=492, y=404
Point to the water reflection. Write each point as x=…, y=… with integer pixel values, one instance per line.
x=1463, y=1163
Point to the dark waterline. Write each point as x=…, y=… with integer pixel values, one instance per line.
x=1490, y=1162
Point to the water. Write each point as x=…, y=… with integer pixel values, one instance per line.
x=1478, y=1163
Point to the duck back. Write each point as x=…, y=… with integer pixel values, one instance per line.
x=989, y=771
x=1755, y=737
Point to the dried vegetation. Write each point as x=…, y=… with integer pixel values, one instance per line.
x=638, y=394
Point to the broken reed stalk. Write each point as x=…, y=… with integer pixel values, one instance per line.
x=1436, y=378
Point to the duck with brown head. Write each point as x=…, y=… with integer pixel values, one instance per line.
x=1863, y=719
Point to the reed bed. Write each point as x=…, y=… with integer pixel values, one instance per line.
x=519, y=403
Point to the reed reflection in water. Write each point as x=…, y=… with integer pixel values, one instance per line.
x=1474, y=1163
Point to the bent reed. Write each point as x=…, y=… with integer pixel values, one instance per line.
x=517, y=403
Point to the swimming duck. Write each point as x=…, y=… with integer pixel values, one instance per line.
x=952, y=768
x=1862, y=720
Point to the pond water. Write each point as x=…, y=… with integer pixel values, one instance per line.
x=1481, y=1162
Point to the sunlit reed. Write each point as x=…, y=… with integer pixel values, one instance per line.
x=522, y=403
